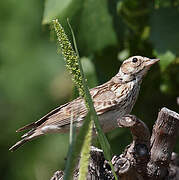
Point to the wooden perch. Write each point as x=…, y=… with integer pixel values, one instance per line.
x=163, y=139
x=145, y=158
x=136, y=155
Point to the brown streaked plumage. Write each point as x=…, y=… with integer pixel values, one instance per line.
x=112, y=100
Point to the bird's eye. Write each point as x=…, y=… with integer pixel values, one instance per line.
x=134, y=60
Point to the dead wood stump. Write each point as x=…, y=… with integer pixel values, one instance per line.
x=147, y=157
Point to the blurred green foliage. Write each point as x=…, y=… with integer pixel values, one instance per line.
x=33, y=79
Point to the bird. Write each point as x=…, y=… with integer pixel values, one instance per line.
x=112, y=100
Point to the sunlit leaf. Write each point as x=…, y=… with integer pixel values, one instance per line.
x=91, y=19
x=166, y=59
x=60, y=8
x=124, y=54
x=90, y=71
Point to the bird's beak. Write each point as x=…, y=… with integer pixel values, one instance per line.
x=150, y=62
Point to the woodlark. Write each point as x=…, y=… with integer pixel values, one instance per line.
x=112, y=100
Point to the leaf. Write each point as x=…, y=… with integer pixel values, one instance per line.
x=89, y=70
x=53, y=9
x=124, y=54
x=85, y=152
x=90, y=18
x=96, y=27
x=166, y=59
x=164, y=3
x=75, y=68
x=164, y=30
x=60, y=8
x=75, y=148
x=89, y=104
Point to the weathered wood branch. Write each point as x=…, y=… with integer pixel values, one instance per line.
x=136, y=155
x=145, y=158
x=165, y=132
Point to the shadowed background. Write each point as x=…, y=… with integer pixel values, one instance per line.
x=33, y=79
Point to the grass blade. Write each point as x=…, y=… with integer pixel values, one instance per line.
x=75, y=68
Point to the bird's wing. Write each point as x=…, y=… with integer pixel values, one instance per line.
x=104, y=99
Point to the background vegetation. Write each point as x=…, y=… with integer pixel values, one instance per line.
x=33, y=79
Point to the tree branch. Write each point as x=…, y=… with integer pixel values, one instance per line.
x=163, y=139
x=145, y=158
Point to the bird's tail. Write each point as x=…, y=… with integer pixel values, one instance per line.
x=32, y=134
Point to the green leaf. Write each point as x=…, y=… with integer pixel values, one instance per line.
x=124, y=54
x=91, y=20
x=53, y=9
x=89, y=103
x=60, y=8
x=85, y=152
x=96, y=27
x=75, y=148
x=166, y=59
x=89, y=71
x=163, y=3
x=75, y=68
x=164, y=28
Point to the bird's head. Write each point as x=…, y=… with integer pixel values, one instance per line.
x=134, y=68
